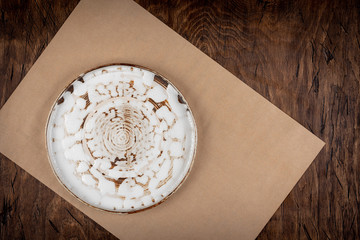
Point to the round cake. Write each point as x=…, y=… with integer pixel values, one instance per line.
x=121, y=138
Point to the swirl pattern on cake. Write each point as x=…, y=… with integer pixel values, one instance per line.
x=121, y=138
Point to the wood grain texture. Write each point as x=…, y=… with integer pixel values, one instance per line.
x=302, y=56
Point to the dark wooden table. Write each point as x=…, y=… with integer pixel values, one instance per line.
x=303, y=56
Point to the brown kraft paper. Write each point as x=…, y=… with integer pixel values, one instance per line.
x=249, y=155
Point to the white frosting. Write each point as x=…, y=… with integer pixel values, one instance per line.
x=121, y=138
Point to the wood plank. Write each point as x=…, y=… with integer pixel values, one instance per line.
x=302, y=56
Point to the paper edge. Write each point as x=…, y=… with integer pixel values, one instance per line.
x=319, y=141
